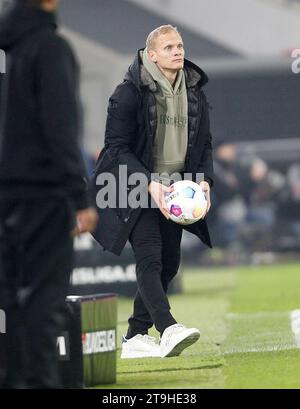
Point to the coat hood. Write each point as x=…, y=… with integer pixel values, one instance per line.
x=18, y=20
x=141, y=78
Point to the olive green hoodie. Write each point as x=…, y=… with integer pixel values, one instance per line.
x=170, y=143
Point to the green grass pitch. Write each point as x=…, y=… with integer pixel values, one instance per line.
x=247, y=337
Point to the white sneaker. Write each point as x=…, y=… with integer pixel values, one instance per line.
x=176, y=338
x=140, y=346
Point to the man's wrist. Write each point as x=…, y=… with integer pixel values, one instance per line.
x=205, y=185
x=208, y=180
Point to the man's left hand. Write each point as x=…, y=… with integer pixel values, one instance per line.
x=206, y=189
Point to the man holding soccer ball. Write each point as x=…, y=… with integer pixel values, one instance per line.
x=158, y=122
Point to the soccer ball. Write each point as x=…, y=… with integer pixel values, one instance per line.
x=187, y=203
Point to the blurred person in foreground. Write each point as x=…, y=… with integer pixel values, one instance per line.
x=157, y=124
x=42, y=190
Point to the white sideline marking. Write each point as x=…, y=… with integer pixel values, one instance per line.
x=265, y=341
x=295, y=321
x=272, y=348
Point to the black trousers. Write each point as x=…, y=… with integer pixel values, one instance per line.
x=156, y=245
x=36, y=251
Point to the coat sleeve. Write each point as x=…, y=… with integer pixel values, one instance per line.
x=57, y=89
x=206, y=163
x=122, y=129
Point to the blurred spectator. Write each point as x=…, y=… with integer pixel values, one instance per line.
x=289, y=210
x=89, y=161
x=245, y=195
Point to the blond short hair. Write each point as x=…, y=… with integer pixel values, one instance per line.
x=157, y=32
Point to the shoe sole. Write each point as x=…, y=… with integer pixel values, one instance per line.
x=185, y=343
x=138, y=355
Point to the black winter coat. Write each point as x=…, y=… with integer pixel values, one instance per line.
x=129, y=136
x=39, y=147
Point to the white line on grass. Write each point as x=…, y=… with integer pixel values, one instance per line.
x=295, y=322
x=273, y=348
x=263, y=332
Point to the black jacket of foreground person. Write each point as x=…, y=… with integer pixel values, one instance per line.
x=42, y=190
x=129, y=136
x=39, y=155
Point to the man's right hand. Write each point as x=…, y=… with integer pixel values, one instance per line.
x=86, y=221
x=158, y=191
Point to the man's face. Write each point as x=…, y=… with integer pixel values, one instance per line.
x=50, y=5
x=168, y=51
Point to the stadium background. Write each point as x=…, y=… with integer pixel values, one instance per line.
x=245, y=313
x=245, y=47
